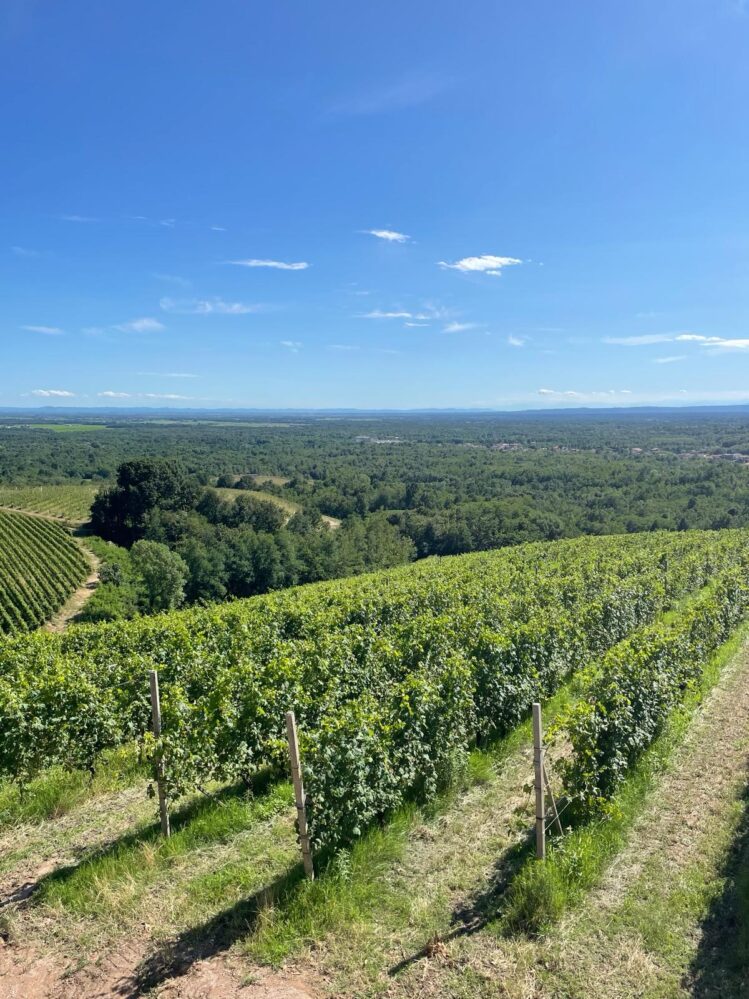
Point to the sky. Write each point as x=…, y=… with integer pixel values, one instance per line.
x=394, y=204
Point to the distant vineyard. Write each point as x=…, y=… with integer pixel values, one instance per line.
x=392, y=676
x=40, y=565
x=68, y=502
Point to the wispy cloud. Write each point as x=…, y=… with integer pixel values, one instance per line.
x=605, y=395
x=485, y=264
x=394, y=314
x=114, y=395
x=640, y=341
x=23, y=251
x=343, y=346
x=53, y=393
x=460, y=327
x=207, y=307
x=47, y=330
x=428, y=313
x=292, y=345
x=515, y=341
x=710, y=344
x=389, y=235
x=78, y=218
x=410, y=91
x=279, y=265
x=174, y=279
x=143, y=325
x=166, y=374
x=671, y=359
x=417, y=325
x=166, y=395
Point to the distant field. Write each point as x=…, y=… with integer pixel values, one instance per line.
x=67, y=428
x=40, y=566
x=68, y=502
x=232, y=494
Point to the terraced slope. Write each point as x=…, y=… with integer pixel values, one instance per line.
x=40, y=566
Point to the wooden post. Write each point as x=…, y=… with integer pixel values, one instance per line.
x=299, y=796
x=156, y=716
x=538, y=770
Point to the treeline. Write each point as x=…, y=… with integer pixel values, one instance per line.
x=174, y=542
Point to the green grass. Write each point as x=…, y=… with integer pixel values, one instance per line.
x=112, y=877
x=58, y=791
x=543, y=890
x=356, y=883
x=232, y=494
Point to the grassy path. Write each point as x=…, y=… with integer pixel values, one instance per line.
x=409, y=911
x=77, y=600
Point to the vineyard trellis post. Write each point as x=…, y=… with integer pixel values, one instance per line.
x=538, y=774
x=299, y=796
x=153, y=677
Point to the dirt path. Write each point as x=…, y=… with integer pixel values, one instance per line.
x=41, y=516
x=75, y=603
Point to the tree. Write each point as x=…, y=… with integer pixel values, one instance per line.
x=120, y=514
x=161, y=573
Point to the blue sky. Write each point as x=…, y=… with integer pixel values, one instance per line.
x=374, y=204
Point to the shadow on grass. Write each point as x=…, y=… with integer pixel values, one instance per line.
x=182, y=819
x=720, y=968
x=175, y=958
x=481, y=909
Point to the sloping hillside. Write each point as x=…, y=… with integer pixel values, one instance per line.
x=40, y=566
x=412, y=689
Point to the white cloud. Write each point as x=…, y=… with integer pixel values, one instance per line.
x=342, y=346
x=78, y=218
x=279, y=265
x=114, y=395
x=166, y=395
x=143, y=325
x=53, y=393
x=427, y=313
x=515, y=341
x=417, y=325
x=389, y=235
x=640, y=341
x=379, y=314
x=671, y=359
x=460, y=327
x=485, y=264
x=173, y=279
x=710, y=344
x=605, y=395
x=409, y=92
x=206, y=307
x=292, y=345
x=47, y=330
x=218, y=228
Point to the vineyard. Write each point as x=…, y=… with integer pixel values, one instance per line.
x=71, y=503
x=403, y=683
x=40, y=566
x=393, y=677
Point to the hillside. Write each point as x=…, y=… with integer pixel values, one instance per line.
x=70, y=503
x=411, y=689
x=40, y=566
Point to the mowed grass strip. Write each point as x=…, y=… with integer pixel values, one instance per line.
x=111, y=880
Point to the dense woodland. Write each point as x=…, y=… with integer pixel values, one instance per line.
x=403, y=486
